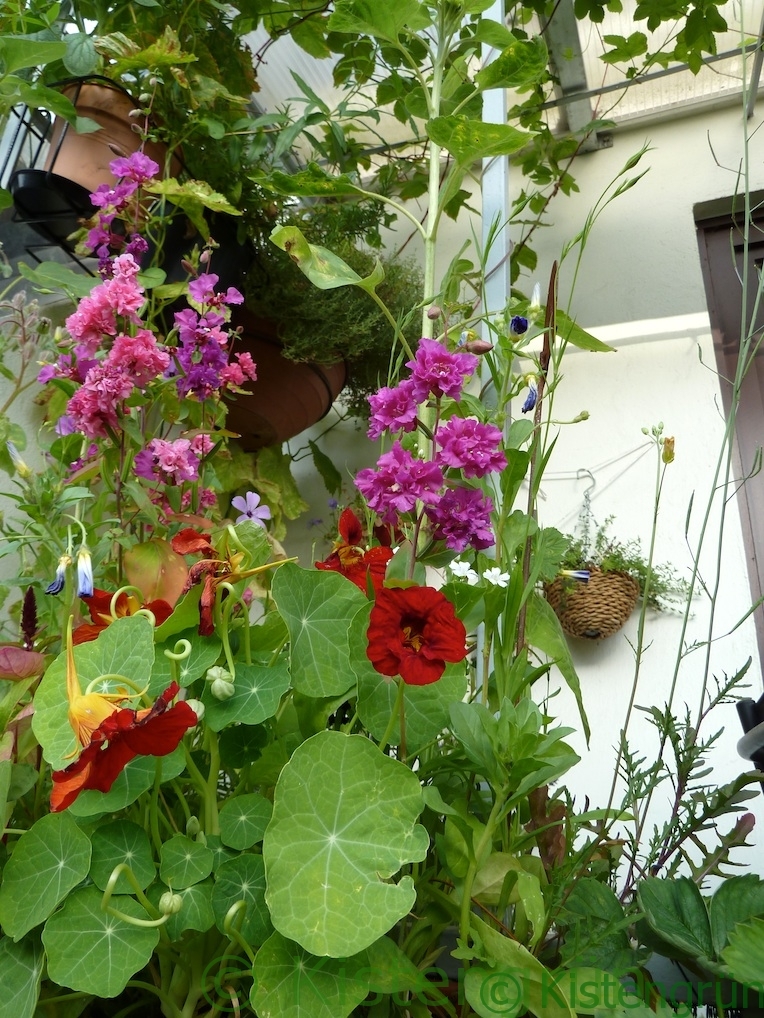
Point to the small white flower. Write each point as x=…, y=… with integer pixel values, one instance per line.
x=496, y=577
x=459, y=568
x=472, y=578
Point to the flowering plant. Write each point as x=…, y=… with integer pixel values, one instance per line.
x=230, y=781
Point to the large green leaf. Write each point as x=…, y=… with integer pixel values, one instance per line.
x=312, y=182
x=290, y=983
x=744, y=955
x=736, y=900
x=597, y=933
x=126, y=647
x=426, y=707
x=344, y=822
x=523, y=62
x=518, y=981
x=205, y=651
x=21, y=965
x=323, y=268
x=469, y=140
x=48, y=860
x=382, y=21
x=195, y=911
x=17, y=52
x=258, y=691
x=93, y=951
x=675, y=910
x=318, y=608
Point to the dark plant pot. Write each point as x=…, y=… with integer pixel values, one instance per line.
x=55, y=196
x=593, y=610
x=287, y=397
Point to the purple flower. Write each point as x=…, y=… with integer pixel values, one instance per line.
x=202, y=290
x=65, y=425
x=462, y=518
x=84, y=573
x=393, y=409
x=250, y=508
x=473, y=446
x=57, y=585
x=435, y=371
x=398, y=483
x=518, y=325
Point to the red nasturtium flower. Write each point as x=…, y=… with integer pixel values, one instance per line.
x=99, y=606
x=351, y=560
x=412, y=632
x=120, y=737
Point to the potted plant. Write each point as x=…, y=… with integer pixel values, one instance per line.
x=229, y=780
x=602, y=578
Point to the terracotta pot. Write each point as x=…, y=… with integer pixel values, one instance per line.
x=85, y=158
x=287, y=397
x=54, y=198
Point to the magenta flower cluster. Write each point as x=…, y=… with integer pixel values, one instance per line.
x=459, y=514
x=114, y=357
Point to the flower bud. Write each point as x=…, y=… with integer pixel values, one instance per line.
x=197, y=707
x=518, y=326
x=583, y=416
x=19, y=465
x=222, y=689
x=478, y=346
x=217, y=672
x=170, y=904
x=193, y=826
x=434, y=312
x=668, y=450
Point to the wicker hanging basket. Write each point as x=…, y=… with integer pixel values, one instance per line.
x=593, y=610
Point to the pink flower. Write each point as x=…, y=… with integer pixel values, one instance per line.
x=398, y=483
x=93, y=319
x=436, y=372
x=137, y=166
x=93, y=408
x=171, y=462
x=202, y=290
x=201, y=445
x=473, y=446
x=462, y=517
x=247, y=365
x=393, y=409
x=139, y=357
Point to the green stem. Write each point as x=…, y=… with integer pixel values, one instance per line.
x=485, y=840
x=394, y=714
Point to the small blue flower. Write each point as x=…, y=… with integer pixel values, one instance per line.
x=333, y=503
x=60, y=579
x=518, y=326
x=84, y=573
x=576, y=574
x=530, y=399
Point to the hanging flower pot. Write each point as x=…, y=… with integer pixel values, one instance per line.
x=288, y=396
x=595, y=609
x=54, y=195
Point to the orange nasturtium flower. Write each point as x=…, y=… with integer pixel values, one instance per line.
x=86, y=710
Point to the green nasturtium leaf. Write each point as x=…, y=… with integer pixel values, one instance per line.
x=318, y=608
x=426, y=707
x=290, y=983
x=258, y=691
x=184, y=862
x=344, y=822
x=243, y=820
x=21, y=965
x=93, y=951
x=48, y=861
x=126, y=647
x=121, y=842
x=242, y=879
